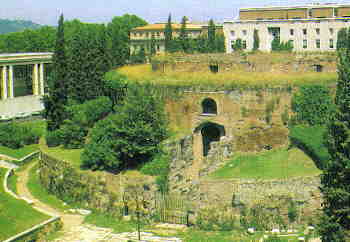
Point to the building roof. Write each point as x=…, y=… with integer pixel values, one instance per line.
x=161, y=26
x=331, y=5
x=12, y=58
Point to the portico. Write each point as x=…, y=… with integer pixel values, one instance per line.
x=22, y=76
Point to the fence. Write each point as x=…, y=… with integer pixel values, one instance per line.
x=171, y=209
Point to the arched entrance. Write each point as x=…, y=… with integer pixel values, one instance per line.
x=209, y=106
x=211, y=132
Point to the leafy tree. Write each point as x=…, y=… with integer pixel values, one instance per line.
x=168, y=32
x=130, y=137
x=312, y=105
x=55, y=102
x=342, y=38
x=118, y=31
x=220, y=43
x=335, y=225
x=256, y=43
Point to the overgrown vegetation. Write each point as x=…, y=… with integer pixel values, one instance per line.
x=310, y=139
x=16, y=136
x=222, y=81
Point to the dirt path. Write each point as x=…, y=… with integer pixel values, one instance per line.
x=69, y=220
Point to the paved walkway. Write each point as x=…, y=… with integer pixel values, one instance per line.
x=7, y=165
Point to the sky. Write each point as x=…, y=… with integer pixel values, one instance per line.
x=46, y=12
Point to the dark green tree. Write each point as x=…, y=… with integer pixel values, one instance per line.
x=183, y=37
x=335, y=225
x=211, y=36
x=237, y=45
x=342, y=38
x=168, y=33
x=256, y=42
x=55, y=102
x=132, y=136
x=153, y=50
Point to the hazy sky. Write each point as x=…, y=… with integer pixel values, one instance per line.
x=47, y=11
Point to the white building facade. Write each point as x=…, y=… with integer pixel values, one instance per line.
x=309, y=34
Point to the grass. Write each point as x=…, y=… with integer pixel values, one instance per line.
x=108, y=221
x=70, y=155
x=19, y=153
x=39, y=192
x=144, y=73
x=38, y=126
x=16, y=215
x=274, y=164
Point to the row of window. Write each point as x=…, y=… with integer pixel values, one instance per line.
x=156, y=34
x=317, y=43
x=145, y=46
x=291, y=31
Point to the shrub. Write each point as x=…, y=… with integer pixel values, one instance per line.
x=310, y=140
x=292, y=212
x=215, y=219
x=53, y=138
x=16, y=136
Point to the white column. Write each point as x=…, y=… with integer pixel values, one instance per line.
x=4, y=82
x=10, y=78
x=35, y=80
x=42, y=79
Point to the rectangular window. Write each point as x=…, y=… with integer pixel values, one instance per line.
x=244, y=44
x=140, y=34
x=318, y=44
x=158, y=34
x=292, y=32
x=317, y=31
x=331, y=43
x=158, y=48
x=147, y=35
x=232, y=33
x=331, y=31
x=244, y=32
x=304, y=44
x=335, y=12
x=304, y=32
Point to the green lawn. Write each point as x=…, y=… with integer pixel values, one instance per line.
x=108, y=221
x=70, y=155
x=19, y=153
x=15, y=215
x=273, y=164
x=39, y=192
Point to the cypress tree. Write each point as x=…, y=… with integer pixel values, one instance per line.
x=256, y=42
x=335, y=225
x=211, y=36
x=153, y=50
x=55, y=102
x=183, y=34
x=168, y=32
x=342, y=38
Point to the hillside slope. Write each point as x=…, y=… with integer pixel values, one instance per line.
x=7, y=26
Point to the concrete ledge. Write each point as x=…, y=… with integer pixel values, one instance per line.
x=31, y=230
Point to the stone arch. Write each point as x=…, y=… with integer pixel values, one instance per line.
x=209, y=106
x=211, y=132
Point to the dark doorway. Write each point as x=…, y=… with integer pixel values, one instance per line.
x=318, y=68
x=209, y=106
x=211, y=133
x=214, y=68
